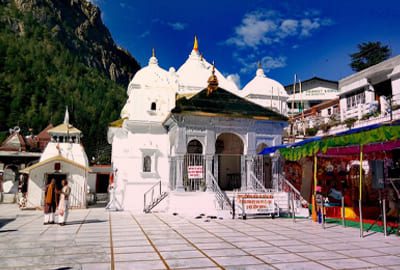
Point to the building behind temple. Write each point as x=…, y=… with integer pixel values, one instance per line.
x=364, y=98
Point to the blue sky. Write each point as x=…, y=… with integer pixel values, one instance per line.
x=309, y=38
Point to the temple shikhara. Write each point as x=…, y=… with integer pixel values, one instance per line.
x=192, y=134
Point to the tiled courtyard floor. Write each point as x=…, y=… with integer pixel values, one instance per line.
x=96, y=239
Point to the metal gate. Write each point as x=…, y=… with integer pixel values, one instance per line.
x=194, y=172
x=262, y=168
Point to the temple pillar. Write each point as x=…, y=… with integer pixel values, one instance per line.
x=209, y=164
x=179, y=173
x=249, y=166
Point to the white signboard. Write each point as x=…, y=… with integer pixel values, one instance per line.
x=256, y=203
x=195, y=172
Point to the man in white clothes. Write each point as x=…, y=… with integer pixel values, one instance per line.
x=64, y=203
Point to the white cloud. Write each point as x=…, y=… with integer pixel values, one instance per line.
x=249, y=63
x=263, y=27
x=269, y=62
x=235, y=78
x=253, y=30
x=178, y=26
x=288, y=27
x=308, y=25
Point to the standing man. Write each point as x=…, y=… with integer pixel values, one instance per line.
x=64, y=203
x=50, y=202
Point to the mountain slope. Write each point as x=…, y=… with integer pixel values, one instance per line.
x=47, y=64
x=78, y=25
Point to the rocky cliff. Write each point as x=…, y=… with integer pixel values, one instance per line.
x=57, y=53
x=78, y=25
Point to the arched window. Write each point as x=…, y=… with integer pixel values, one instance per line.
x=195, y=147
x=153, y=106
x=147, y=164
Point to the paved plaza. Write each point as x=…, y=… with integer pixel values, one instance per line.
x=97, y=239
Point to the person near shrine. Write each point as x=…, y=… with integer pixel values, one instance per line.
x=63, y=203
x=50, y=202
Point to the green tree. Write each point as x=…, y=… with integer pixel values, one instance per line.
x=369, y=54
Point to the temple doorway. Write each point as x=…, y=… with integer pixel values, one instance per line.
x=230, y=163
x=194, y=167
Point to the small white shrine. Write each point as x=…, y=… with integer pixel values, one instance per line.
x=63, y=158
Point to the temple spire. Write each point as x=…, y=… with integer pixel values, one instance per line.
x=153, y=59
x=260, y=71
x=66, y=116
x=195, y=44
x=212, y=81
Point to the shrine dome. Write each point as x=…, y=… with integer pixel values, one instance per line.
x=151, y=76
x=261, y=85
x=194, y=73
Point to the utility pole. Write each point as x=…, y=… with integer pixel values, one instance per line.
x=292, y=113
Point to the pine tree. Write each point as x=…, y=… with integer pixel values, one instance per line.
x=369, y=54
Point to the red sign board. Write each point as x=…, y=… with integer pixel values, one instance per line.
x=195, y=172
x=256, y=203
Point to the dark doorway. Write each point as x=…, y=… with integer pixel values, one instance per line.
x=58, y=177
x=229, y=149
x=102, y=183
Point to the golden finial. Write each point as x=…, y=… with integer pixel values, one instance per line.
x=259, y=64
x=195, y=44
x=153, y=52
x=212, y=81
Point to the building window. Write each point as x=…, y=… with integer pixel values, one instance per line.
x=329, y=111
x=153, y=106
x=355, y=100
x=194, y=147
x=147, y=164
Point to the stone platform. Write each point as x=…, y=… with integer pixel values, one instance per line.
x=97, y=239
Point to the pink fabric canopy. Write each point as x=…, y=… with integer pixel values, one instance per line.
x=369, y=148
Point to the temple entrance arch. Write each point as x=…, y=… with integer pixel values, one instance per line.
x=261, y=147
x=194, y=167
x=229, y=149
x=194, y=147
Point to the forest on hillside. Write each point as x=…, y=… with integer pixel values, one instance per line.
x=39, y=77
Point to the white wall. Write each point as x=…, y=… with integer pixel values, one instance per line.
x=127, y=157
x=76, y=180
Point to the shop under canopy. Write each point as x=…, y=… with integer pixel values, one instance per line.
x=379, y=137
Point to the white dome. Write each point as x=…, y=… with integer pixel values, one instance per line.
x=194, y=73
x=150, y=76
x=261, y=85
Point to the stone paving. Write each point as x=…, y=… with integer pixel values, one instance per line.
x=97, y=239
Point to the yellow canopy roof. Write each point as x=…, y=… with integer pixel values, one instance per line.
x=118, y=123
x=55, y=158
x=64, y=129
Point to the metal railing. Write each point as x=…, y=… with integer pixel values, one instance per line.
x=222, y=198
x=151, y=195
x=257, y=186
x=297, y=199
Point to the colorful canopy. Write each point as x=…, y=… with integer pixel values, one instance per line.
x=381, y=133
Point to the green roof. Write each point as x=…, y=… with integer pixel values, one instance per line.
x=223, y=103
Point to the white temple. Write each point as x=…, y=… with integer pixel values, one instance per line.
x=191, y=130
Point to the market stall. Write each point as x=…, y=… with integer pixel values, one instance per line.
x=355, y=165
